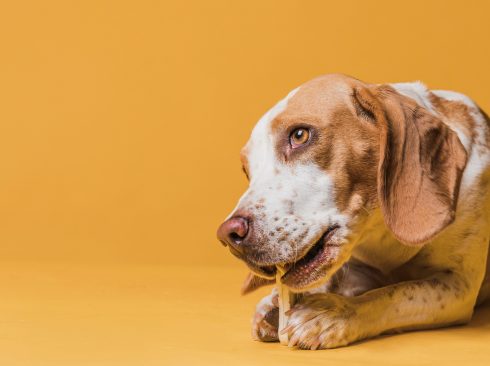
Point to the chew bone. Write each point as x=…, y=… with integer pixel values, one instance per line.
x=286, y=300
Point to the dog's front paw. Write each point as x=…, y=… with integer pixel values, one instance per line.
x=266, y=319
x=322, y=321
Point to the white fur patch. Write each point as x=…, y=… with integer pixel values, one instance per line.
x=416, y=91
x=291, y=204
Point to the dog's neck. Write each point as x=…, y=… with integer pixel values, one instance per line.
x=375, y=246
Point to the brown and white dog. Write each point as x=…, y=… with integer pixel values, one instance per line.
x=376, y=200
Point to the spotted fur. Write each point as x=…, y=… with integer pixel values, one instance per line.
x=380, y=277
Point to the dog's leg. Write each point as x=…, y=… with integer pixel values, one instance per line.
x=266, y=319
x=330, y=320
x=484, y=294
x=352, y=279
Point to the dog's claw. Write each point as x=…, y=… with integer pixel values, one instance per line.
x=294, y=340
x=315, y=344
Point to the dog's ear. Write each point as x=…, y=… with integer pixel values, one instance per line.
x=420, y=167
x=253, y=282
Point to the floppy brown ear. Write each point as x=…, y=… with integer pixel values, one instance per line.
x=420, y=168
x=253, y=282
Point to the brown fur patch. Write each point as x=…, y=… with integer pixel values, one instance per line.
x=457, y=113
x=341, y=143
x=421, y=165
x=487, y=120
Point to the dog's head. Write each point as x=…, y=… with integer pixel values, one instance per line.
x=322, y=159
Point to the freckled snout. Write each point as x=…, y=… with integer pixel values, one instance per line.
x=233, y=232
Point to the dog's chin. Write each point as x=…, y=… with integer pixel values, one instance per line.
x=309, y=270
x=268, y=272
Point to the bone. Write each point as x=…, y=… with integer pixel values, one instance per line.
x=286, y=301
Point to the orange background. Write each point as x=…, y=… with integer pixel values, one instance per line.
x=120, y=128
x=121, y=122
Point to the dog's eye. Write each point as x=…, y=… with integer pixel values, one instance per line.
x=298, y=137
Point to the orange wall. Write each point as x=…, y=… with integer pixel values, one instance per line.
x=121, y=122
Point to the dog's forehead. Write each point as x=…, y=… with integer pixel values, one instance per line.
x=319, y=97
x=316, y=98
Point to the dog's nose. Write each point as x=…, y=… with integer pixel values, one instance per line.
x=233, y=231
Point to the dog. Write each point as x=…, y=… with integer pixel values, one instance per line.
x=375, y=200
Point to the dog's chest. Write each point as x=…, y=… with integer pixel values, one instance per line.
x=379, y=249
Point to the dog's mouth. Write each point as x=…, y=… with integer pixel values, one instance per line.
x=307, y=268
